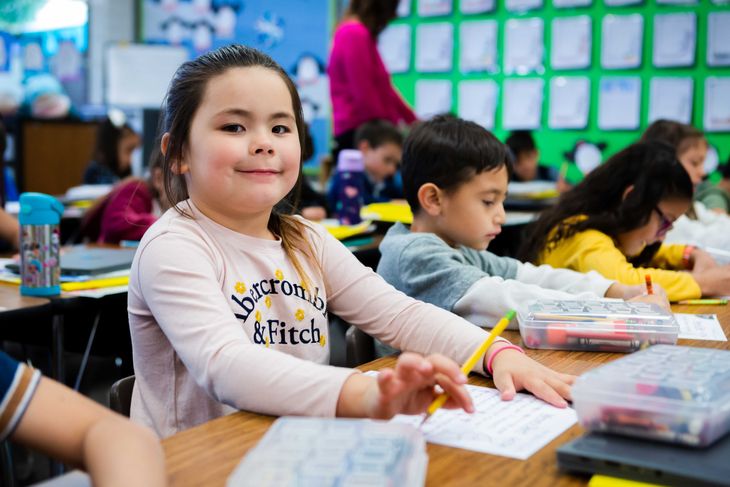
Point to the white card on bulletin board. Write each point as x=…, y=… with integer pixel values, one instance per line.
x=478, y=101
x=394, y=44
x=621, y=41
x=717, y=104
x=721, y=2
x=434, y=47
x=675, y=39
x=431, y=8
x=571, y=3
x=570, y=99
x=621, y=3
x=718, y=39
x=522, y=104
x=137, y=75
x=522, y=5
x=619, y=103
x=571, y=44
x=524, y=46
x=677, y=2
x=433, y=97
x=671, y=99
x=476, y=6
x=478, y=42
x=404, y=8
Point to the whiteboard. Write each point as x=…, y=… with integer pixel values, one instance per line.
x=137, y=75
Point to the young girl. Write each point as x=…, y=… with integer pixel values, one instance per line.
x=615, y=220
x=128, y=211
x=700, y=226
x=228, y=298
x=115, y=142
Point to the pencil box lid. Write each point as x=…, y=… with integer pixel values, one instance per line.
x=671, y=393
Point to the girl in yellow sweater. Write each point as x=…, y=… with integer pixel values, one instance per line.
x=614, y=222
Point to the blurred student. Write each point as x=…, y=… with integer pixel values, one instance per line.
x=380, y=143
x=360, y=85
x=615, y=221
x=716, y=197
x=47, y=416
x=9, y=227
x=700, y=226
x=525, y=158
x=112, y=159
x=455, y=173
x=132, y=206
x=312, y=204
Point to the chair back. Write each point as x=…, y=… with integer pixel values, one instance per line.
x=120, y=395
x=360, y=347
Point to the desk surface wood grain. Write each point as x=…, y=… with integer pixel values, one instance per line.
x=207, y=454
x=11, y=300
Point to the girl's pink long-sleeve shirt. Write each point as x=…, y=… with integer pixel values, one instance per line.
x=360, y=86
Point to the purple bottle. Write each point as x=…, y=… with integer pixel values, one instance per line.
x=351, y=175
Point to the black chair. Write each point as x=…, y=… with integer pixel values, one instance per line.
x=360, y=347
x=120, y=395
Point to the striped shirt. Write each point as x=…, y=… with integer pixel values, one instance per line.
x=17, y=385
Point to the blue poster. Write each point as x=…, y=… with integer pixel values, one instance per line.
x=294, y=32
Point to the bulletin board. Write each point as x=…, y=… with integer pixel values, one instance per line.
x=447, y=19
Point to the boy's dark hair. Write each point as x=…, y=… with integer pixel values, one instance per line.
x=374, y=14
x=724, y=169
x=655, y=174
x=520, y=141
x=448, y=151
x=679, y=135
x=378, y=132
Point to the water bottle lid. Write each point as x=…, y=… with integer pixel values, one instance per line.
x=350, y=160
x=39, y=209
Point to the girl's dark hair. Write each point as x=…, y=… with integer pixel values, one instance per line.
x=448, y=151
x=374, y=14
x=679, y=135
x=651, y=168
x=181, y=103
x=106, y=150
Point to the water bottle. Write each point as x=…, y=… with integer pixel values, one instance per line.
x=40, y=242
x=350, y=169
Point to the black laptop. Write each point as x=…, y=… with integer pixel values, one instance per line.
x=82, y=261
x=647, y=461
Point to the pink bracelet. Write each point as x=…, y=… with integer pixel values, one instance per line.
x=502, y=349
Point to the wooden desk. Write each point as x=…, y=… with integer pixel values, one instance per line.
x=207, y=454
x=11, y=300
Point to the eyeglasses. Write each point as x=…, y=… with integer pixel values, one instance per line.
x=665, y=224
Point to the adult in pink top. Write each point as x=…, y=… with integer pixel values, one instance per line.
x=360, y=86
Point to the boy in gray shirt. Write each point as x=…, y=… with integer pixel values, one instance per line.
x=455, y=176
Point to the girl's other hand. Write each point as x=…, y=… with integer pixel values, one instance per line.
x=513, y=371
x=701, y=260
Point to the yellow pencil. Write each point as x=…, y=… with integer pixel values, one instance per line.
x=471, y=361
x=95, y=283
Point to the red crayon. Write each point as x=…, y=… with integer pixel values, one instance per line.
x=649, y=289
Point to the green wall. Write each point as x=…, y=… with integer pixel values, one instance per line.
x=553, y=143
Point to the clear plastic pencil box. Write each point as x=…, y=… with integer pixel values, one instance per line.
x=314, y=452
x=667, y=393
x=599, y=326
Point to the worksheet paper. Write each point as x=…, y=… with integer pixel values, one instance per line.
x=429, y=8
x=717, y=104
x=621, y=41
x=675, y=39
x=394, y=44
x=433, y=97
x=571, y=45
x=571, y=3
x=569, y=101
x=718, y=39
x=618, y=103
x=515, y=429
x=522, y=5
x=522, y=104
x=434, y=47
x=404, y=8
x=699, y=327
x=478, y=101
x=524, y=45
x=621, y=3
x=478, y=46
x=476, y=6
x=671, y=99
